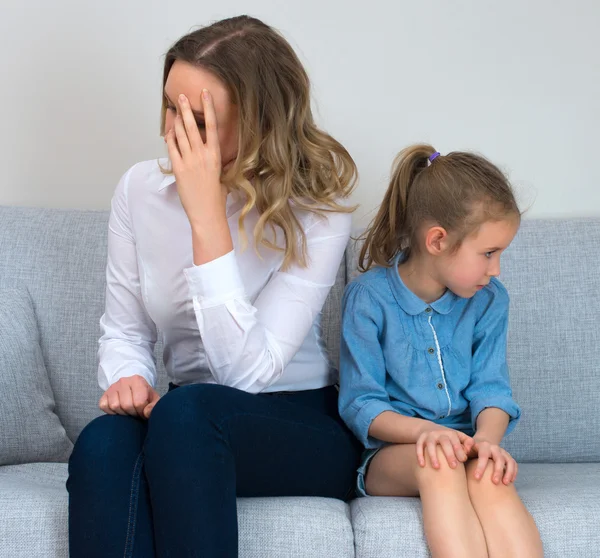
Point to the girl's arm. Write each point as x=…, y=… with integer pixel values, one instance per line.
x=395, y=428
x=489, y=387
x=364, y=402
x=491, y=425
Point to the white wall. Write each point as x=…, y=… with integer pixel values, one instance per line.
x=517, y=80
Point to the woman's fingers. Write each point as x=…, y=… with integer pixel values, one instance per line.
x=174, y=154
x=126, y=400
x=152, y=401
x=114, y=402
x=210, y=121
x=191, y=126
x=103, y=404
x=183, y=142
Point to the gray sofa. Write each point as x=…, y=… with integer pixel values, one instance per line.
x=553, y=274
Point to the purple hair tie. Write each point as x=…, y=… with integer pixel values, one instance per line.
x=434, y=156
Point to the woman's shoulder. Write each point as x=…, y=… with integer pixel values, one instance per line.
x=145, y=176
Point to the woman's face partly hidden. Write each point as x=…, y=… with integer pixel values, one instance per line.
x=190, y=80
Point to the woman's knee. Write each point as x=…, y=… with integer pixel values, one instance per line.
x=187, y=405
x=106, y=441
x=195, y=410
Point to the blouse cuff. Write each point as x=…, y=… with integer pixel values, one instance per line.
x=215, y=282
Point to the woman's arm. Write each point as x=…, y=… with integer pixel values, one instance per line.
x=249, y=345
x=128, y=333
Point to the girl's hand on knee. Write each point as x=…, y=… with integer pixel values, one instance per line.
x=455, y=444
x=505, y=467
x=129, y=396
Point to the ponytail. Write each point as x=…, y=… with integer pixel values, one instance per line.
x=388, y=233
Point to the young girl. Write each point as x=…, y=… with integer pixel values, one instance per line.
x=230, y=255
x=424, y=382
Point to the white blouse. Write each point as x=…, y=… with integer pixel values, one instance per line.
x=238, y=320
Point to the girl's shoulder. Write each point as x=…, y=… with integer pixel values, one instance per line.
x=369, y=287
x=371, y=279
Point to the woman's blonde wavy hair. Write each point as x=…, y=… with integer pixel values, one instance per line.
x=284, y=160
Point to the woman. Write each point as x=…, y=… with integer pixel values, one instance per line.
x=230, y=254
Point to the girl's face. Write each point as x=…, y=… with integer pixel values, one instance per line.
x=471, y=267
x=190, y=80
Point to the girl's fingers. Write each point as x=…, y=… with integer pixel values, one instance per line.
x=182, y=139
x=448, y=450
x=190, y=125
x=420, y=454
x=499, y=464
x=432, y=452
x=459, y=450
x=509, y=471
x=482, y=462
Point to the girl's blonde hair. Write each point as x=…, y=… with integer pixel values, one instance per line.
x=458, y=191
x=284, y=160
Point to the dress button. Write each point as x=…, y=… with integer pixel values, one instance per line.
x=443, y=416
x=428, y=310
x=440, y=386
x=431, y=350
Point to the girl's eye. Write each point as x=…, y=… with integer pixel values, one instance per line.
x=488, y=254
x=171, y=108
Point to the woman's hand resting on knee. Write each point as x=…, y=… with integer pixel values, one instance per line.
x=129, y=396
x=455, y=444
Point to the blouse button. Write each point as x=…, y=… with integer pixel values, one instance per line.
x=440, y=386
x=428, y=310
x=431, y=350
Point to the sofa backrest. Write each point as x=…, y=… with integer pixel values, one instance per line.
x=551, y=270
x=60, y=256
x=552, y=273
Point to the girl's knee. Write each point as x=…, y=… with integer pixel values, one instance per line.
x=485, y=485
x=444, y=474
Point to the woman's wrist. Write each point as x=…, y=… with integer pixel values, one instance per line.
x=212, y=241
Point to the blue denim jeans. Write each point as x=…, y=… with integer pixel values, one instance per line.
x=167, y=487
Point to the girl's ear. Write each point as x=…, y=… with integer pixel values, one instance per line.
x=436, y=240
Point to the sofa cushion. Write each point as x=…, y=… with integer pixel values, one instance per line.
x=564, y=500
x=29, y=428
x=34, y=519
